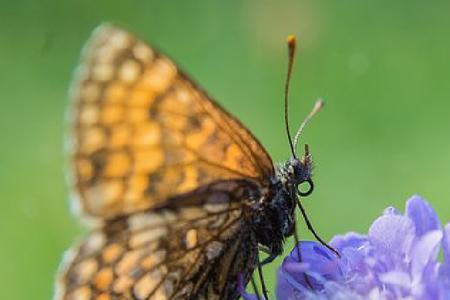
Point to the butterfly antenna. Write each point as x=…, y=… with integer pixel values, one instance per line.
x=291, y=53
x=317, y=107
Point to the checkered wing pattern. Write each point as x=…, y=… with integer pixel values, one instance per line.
x=143, y=132
x=169, y=175
x=193, y=248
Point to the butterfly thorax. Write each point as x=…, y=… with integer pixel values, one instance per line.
x=276, y=218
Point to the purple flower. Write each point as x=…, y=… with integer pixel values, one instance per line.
x=397, y=259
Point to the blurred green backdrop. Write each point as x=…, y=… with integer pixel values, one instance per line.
x=382, y=66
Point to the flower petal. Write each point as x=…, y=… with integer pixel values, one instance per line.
x=398, y=278
x=446, y=247
x=445, y=267
x=398, y=259
x=288, y=287
x=348, y=240
x=318, y=262
x=425, y=251
x=422, y=214
x=392, y=234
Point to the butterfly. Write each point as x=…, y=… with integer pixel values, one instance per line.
x=178, y=194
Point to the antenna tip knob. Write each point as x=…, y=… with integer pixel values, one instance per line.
x=292, y=40
x=319, y=104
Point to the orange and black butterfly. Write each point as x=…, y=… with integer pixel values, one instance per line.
x=180, y=195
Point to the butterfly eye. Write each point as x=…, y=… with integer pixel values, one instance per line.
x=306, y=188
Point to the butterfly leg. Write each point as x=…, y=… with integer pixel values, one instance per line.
x=255, y=288
x=311, y=228
x=268, y=259
x=271, y=255
x=261, y=279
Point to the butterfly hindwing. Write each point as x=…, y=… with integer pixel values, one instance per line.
x=192, y=250
x=172, y=177
x=143, y=132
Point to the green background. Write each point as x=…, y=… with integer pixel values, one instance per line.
x=383, y=68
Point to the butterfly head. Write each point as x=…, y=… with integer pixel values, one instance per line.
x=298, y=173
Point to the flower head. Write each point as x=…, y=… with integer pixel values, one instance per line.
x=397, y=259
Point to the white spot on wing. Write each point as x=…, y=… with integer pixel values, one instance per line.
x=94, y=243
x=143, y=53
x=147, y=236
x=102, y=72
x=214, y=249
x=119, y=39
x=129, y=71
x=139, y=221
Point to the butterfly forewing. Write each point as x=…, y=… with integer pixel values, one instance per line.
x=191, y=249
x=143, y=132
x=169, y=174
